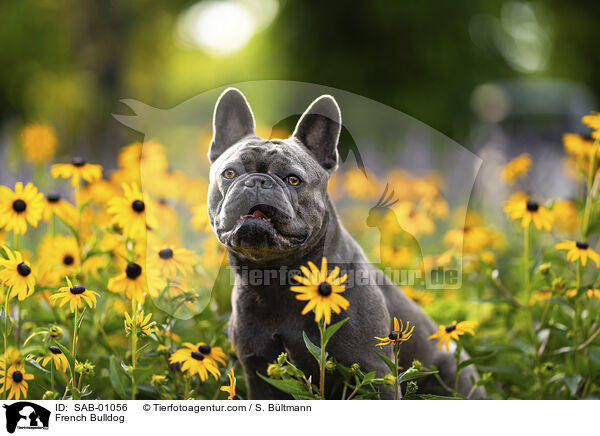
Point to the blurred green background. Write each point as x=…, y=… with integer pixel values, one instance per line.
x=69, y=62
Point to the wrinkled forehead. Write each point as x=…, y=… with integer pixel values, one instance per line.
x=261, y=155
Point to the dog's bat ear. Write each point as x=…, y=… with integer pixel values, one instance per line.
x=319, y=130
x=232, y=121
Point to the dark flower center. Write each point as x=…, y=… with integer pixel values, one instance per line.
x=532, y=206
x=23, y=269
x=324, y=289
x=450, y=328
x=17, y=376
x=204, y=349
x=133, y=270
x=68, y=260
x=582, y=245
x=53, y=197
x=54, y=349
x=77, y=289
x=19, y=206
x=197, y=355
x=165, y=253
x=138, y=206
x=78, y=161
x=395, y=335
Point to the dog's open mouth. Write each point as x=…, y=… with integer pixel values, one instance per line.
x=260, y=211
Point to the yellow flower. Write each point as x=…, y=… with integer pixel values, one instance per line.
x=565, y=215
x=16, y=274
x=592, y=120
x=200, y=219
x=38, y=141
x=578, y=146
x=168, y=259
x=452, y=331
x=78, y=169
x=322, y=290
x=57, y=357
x=540, y=296
x=15, y=381
x=136, y=282
x=20, y=207
x=468, y=239
x=422, y=298
x=58, y=257
x=527, y=210
x=129, y=212
x=75, y=295
x=398, y=334
x=231, y=388
x=517, y=168
x=579, y=250
x=591, y=292
x=195, y=362
x=55, y=205
x=144, y=326
x=357, y=185
x=215, y=354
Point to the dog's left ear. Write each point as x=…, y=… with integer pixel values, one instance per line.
x=319, y=130
x=232, y=121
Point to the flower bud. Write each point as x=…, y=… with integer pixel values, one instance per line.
x=49, y=395
x=545, y=269
x=418, y=365
x=282, y=359
x=559, y=285
x=330, y=366
x=158, y=380
x=56, y=333
x=274, y=371
x=412, y=387
x=389, y=380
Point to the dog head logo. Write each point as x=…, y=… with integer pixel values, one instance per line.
x=26, y=415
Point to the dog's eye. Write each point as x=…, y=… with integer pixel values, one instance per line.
x=229, y=174
x=293, y=180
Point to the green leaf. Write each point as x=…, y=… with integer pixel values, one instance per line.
x=38, y=331
x=331, y=330
x=368, y=378
x=70, y=227
x=117, y=378
x=388, y=362
x=68, y=355
x=290, y=386
x=38, y=366
x=81, y=318
x=312, y=348
x=11, y=324
x=141, y=349
x=140, y=374
x=411, y=374
x=473, y=360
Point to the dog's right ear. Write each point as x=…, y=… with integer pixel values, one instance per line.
x=232, y=121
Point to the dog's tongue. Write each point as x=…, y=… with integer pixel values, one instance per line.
x=258, y=214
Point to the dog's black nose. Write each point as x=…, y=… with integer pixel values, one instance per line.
x=261, y=180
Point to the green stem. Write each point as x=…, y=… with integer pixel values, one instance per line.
x=396, y=354
x=457, y=373
x=74, y=348
x=576, y=318
x=134, y=345
x=590, y=182
x=322, y=362
x=5, y=391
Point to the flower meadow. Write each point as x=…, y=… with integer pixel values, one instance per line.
x=104, y=297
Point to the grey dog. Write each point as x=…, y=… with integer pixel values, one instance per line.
x=268, y=204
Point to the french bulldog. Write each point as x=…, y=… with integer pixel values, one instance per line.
x=268, y=205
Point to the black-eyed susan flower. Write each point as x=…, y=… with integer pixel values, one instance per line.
x=516, y=168
x=38, y=141
x=322, y=290
x=579, y=250
x=168, y=259
x=452, y=331
x=230, y=389
x=56, y=356
x=15, y=381
x=85, y=368
x=54, y=204
x=590, y=292
x=135, y=281
x=129, y=212
x=75, y=295
x=527, y=210
x=592, y=120
x=143, y=324
x=16, y=274
x=195, y=362
x=400, y=333
x=215, y=354
x=58, y=257
x=78, y=169
x=24, y=205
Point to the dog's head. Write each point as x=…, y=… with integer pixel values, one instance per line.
x=267, y=198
